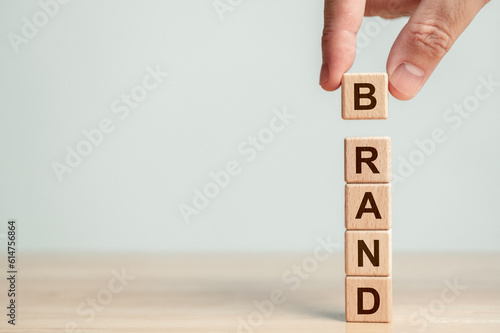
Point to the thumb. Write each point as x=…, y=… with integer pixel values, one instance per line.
x=424, y=41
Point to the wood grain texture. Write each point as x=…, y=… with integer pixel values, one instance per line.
x=365, y=294
x=368, y=253
x=365, y=96
x=368, y=206
x=367, y=159
x=186, y=293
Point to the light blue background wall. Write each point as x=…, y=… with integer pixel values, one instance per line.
x=225, y=78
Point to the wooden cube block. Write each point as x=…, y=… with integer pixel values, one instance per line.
x=368, y=253
x=368, y=206
x=365, y=96
x=367, y=159
x=368, y=299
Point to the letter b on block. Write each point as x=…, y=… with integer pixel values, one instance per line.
x=367, y=160
x=365, y=96
x=368, y=299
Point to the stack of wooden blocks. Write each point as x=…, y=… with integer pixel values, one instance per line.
x=368, y=244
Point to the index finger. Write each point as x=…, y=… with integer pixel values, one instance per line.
x=342, y=21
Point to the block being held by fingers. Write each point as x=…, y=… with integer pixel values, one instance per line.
x=367, y=159
x=368, y=253
x=368, y=299
x=368, y=206
x=365, y=96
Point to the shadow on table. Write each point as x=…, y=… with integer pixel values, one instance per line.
x=368, y=327
x=339, y=315
x=328, y=313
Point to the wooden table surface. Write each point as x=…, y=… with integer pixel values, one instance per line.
x=232, y=293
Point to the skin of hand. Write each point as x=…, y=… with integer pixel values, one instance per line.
x=433, y=27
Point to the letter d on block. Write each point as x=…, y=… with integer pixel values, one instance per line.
x=368, y=299
x=376, y=301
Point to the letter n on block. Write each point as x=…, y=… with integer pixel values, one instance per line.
x=367, y=160
x=368, y=253
x=368, y=299
x=365, y=96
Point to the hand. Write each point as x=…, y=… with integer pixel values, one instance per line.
x=432, y=29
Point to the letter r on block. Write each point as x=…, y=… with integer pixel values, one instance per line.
x=367, y=160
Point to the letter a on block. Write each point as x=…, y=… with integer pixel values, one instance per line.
x=365, y=96
x=368, y=206
x=367, y=160
x=368, y=299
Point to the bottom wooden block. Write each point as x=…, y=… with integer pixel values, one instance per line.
x=368, y=299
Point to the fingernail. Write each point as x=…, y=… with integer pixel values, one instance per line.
x=323, y=76
x=407, y=79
